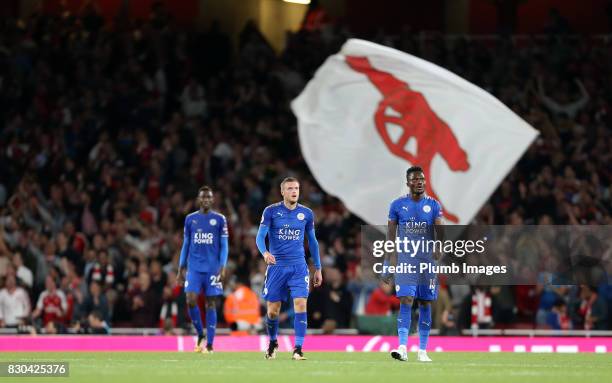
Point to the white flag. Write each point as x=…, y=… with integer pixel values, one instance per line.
x=371, y=112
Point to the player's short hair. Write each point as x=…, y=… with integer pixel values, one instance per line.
x=413, y=169
x=204, y=188
x=288, y=179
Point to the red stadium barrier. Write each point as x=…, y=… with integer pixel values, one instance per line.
x=313, y=343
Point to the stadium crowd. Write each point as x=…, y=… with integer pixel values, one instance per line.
x=108, y=131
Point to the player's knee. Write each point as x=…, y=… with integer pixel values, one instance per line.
x=299, y=305
x=211, y=303
x=192, y=300
x=407, y=300
x=424, y=303
x=273, y=314
x=274, y=310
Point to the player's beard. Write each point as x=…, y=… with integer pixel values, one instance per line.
x=292, y=200
x=418, y=192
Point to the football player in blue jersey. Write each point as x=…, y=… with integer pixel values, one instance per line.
x=286, y=224
x=417, y=218
x=203, y=258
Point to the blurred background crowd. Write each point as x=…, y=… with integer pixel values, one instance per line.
x=107, y=134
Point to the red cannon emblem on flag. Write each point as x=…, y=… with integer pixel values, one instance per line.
x=409, y=110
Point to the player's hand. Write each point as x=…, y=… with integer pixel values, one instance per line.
x=222, y=274
x=269, y=258
x=318, y=278
x=180, y=277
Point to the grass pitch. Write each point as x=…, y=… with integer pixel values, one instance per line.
x=372, y=367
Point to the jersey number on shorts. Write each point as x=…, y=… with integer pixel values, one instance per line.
x=215, y=281
x=432, y=284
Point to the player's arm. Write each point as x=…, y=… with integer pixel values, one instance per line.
x=180, y=277
x=223, y=248
x=391, y=235
x=439, y=230
x=260, y=240
x=313, y=247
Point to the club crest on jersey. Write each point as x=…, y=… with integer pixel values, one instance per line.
x=212, y=222
x=300, y=216
x=426, y=208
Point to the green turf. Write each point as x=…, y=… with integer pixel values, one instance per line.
x=323, y=367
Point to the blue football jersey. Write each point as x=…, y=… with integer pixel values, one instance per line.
x=286, y=230
x=415, y=219
x=204, y=232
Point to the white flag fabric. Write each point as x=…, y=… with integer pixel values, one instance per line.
x=371, y=112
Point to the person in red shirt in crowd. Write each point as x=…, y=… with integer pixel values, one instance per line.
x=52, y=304
x=382, y=301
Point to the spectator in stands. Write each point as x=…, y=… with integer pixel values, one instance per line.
x=482, y=317
x=382, y=301
x=47, y=259
x=14, y=304
x=562, y=105
x=502, y=305
x=442, y=306
x=97, y=324
x=51, y=304
x=95, y=301
x=74, y=289
x=549, y=296
x=145, y=305
x=330, y=306
x=557, y=318
x=24, y=275
x=158, y=277
x=448, y=322
x=103, y=271
x=172, y=313
x=593, y=308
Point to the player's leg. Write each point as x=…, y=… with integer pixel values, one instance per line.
x=425, y=294
x=273, y=311
x=406, y=295
x=275, y=291
x=298, y=285
x=214, y=290
x=424, y=328
x=211, y=321
x=193, y=284
x=300, y=324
